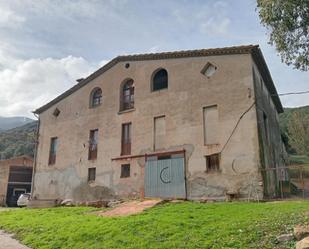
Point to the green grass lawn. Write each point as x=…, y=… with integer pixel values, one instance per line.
x=171, y=225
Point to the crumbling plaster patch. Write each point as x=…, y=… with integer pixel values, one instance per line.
x=205, y=185
x=66, y=183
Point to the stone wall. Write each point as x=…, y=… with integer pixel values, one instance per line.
x=189, y=91
x=272, y=151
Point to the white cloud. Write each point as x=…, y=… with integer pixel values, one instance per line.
x=295, y=100
x=209, y=18
x=92, y=30
x=216, y=26
x=34, y=82
x=6, y=59
x=9, y=18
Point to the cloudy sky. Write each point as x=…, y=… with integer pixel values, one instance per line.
x=46, y=45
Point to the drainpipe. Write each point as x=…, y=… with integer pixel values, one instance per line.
x=35, y=152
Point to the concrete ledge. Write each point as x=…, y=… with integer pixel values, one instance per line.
x=42, y=203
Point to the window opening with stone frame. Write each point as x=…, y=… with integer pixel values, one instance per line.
x=53, y=151
x=96, y=97
x=127, y=96
x=125, y=171
x=93, y=144
x=209, y=70
x=126, y=139
x=213, y=163
x=159, y=80
x=91, y=174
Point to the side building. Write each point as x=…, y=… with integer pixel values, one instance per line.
x=15, y=179
x=200, y=124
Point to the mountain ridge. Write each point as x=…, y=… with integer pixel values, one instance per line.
x=7, y=123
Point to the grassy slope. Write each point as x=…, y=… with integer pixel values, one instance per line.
x=183, y=225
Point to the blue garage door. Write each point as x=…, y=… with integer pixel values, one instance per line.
x=165, y=178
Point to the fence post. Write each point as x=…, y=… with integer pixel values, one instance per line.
x=302, y=180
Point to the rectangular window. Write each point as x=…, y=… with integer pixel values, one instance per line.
x=93, y=144
x=211, y=123
x=127, y=96
x=52, y=150
x=159, y=132
x=125, y=171
x=126, y=139
x=91, y=174
x=213, y=163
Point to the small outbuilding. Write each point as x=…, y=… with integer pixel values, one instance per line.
x=15, y=179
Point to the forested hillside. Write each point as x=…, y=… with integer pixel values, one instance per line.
x=294, y=125
x=18, y=141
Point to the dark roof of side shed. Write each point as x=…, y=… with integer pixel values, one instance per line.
x=254, y=50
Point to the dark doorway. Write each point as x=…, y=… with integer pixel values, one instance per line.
x=19, y=182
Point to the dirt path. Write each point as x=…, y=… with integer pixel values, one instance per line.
x=129, y=208
x=7, y=242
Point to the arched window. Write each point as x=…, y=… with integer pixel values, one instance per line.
x=95, y=97
x=159, y=80
x=127, y=95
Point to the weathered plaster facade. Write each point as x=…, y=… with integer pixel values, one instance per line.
x=272, y=150
x=231, y=88
x=22, y=162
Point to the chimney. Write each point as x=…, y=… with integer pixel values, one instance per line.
x=79, y=80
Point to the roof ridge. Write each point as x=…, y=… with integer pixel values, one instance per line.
x=193, y=51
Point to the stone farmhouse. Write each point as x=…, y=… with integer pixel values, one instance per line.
x=199, y=124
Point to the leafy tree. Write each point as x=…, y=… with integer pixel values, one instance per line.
x=288, y=23
x=285, y=140
x=298, y=130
